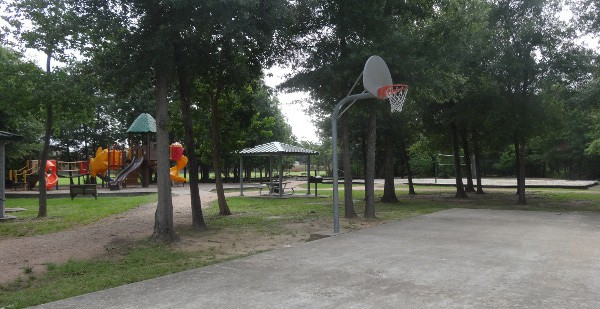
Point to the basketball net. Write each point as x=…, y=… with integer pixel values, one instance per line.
x=396, y=94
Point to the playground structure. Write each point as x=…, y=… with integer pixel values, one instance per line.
x=107, y=160
x=28, y=175
x=129, y=164
x=113, y=159
x=180, y=162
x=98, y=166
x=51, y=175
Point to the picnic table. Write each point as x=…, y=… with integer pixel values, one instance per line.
x=274, y=188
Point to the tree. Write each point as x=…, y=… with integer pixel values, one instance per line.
x=588, y=12
x=527, y=37
x=131, y=41
x=389, y=189
x=52, y=28
x=338, y=37
x=349, y=211
x=182, y=60
x=370, y=166
x=19, y=112
x=231, y=42
x=454, y=33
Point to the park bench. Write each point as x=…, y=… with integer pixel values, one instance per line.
x=85, y=189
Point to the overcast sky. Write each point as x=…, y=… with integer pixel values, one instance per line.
x=292, y=106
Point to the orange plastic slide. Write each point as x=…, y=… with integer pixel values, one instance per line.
x=99, y=164
x=52, y=178
x=174, y=171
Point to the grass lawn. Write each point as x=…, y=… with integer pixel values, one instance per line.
x=145, y=260
x=64, y=213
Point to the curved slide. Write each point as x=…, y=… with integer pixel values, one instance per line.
x=99, y=164
x=134, y=165
x=174, y=171
x=52, y=178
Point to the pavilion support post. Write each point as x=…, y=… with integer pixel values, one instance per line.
x=4, y=138
x=280, y=175
x=308, y=175
x=241, y=176
x=270, y=170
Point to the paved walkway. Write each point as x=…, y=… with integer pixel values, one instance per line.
x=133, y=190
x=456, y=258
x=507, y=182
x=182, y=190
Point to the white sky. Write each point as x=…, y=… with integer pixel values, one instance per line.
x=292, y=105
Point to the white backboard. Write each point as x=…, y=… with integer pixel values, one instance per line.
x=376, y=74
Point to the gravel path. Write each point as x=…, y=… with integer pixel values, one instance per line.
x=90, y=241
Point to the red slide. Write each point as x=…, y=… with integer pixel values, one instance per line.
x=52, y=178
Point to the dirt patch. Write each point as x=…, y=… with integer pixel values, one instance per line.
x=112, y=237
x=107, y=238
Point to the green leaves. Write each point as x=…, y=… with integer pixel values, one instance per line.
x=20, y=89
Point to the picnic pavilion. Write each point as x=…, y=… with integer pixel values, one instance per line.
x=272, y=150
x=5, y=137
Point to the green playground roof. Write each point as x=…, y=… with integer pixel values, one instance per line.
x=144, y=123
x=5, y=136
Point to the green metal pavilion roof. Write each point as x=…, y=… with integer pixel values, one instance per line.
x=5, y=136
x=144, y=123
x=275, y=148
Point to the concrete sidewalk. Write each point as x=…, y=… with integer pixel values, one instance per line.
x=530, y=183
x=456, y=258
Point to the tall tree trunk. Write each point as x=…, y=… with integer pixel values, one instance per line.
x=42, y=209
x=204, y=171
x=477, y=153
x=370, y=168
x=409, y=175
x=216, y=153
x=460, y=190
x=42, y=205
x=521, y=140
x=163, y=219
x=467, y=157
x=521, y=182
x=349, y=211
x=188, y=125
x=389, y=188
x=517, y=163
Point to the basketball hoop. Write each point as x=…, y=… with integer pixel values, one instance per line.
x=396, y=93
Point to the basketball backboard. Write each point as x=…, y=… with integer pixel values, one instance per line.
x=376, y=74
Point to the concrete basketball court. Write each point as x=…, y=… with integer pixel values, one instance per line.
x=455, y=258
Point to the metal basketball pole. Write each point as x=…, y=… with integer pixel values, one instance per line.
x=334, y=117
